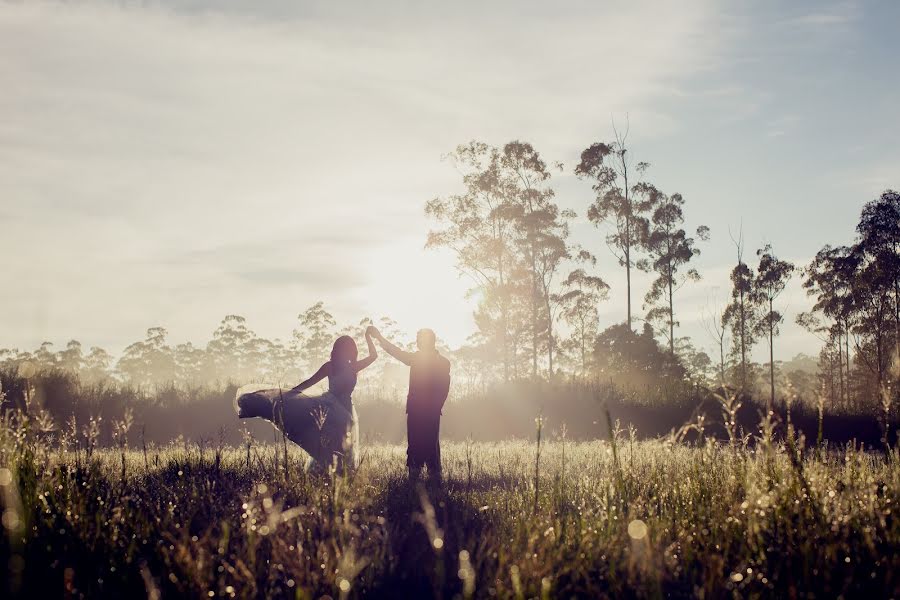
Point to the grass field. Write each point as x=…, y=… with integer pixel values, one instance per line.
x=513, y=519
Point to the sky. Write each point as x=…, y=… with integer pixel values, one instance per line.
x=168, y=163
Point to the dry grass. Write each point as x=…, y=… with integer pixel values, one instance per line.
x=662, y=519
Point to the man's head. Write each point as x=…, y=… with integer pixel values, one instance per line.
x=426, y=340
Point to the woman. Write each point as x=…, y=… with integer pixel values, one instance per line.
x=326, y=425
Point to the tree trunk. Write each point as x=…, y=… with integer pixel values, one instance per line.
x=504, y=311
x=847, y=358
x=534, y=315
x=628, y=281
x=549, y=331
x=671, y=319
x=841, y=367
x=722, y=357
x=771, y=356
x=583, y=359
x=743, y=346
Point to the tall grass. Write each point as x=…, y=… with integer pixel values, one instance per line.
x=577, y=519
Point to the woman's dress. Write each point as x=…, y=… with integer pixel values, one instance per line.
x=326, y=426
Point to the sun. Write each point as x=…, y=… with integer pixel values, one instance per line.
x=417, y=288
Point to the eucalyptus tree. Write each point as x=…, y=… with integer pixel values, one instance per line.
x=607, y=166
x=191, y=364
x=479, y=227
x=150, y=361
x=581, y=294
x=857, y=292
x=879, y=248
x=829, y=278
x=772, y=276
x=72, y=358
x=740, y=313
x=717, y=328
x=97, y=364
x=542, y=230
x=234, y=350
x=669, y=250
x=315, y=335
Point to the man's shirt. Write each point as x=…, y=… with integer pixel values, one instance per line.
x=429, y=382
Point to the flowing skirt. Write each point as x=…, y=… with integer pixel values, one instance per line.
x=321, y=425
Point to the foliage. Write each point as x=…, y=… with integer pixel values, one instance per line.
x=618, y=201
x=669, y=249
x=857, y=297
x=772, y=276
x=509, y=237
x=623, y=356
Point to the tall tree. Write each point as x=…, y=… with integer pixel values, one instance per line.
x=717, y=328
x=669, y=249
x=149, y=362
x=740, y=313
x=72, y=358
x=829, y=278
x=581, y=294
x=233, y=350
x=608, y=166
x=879, y=247
x=315, y=335
x=190, y=362
x=541, y=230
x=96, y=364
x=479, y=227
x=857, y=291
x=772, y=276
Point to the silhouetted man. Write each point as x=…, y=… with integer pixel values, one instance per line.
x=429, y=384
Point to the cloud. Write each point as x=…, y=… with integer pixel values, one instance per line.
x=177, y=161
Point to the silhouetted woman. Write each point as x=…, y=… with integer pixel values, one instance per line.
x=325, y=426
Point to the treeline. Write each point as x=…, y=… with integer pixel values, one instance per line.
x=538, y=292
x=235, y=354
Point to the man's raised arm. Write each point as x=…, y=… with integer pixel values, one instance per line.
x=401, y=355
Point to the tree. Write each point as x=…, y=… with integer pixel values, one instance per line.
x=190, y=362
x=857, y=291
x=96, y=364
x=740, y=313
x=635, y=360
x=716, y=326
x=772, y=276
x=541, y=230
x=478, y=226
x=607, y=165
x=150, y=361
x=315, y=335
x=696, y=362
x=829, y=278
x=44, y=357
x=581, y=294
x=669, y=249
x=72, y=358
x=233, y=350
x=879, y=250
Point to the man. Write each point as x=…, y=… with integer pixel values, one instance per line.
x=429, y=384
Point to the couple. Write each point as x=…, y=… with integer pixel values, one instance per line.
x=327, y=426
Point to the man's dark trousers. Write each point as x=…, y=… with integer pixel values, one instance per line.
x=422, y=434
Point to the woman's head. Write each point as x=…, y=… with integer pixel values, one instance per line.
x=344, y=350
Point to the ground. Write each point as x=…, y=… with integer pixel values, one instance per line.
x=512, y=519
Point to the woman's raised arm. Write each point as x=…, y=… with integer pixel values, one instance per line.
x=318, y=376
x=373, y=354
